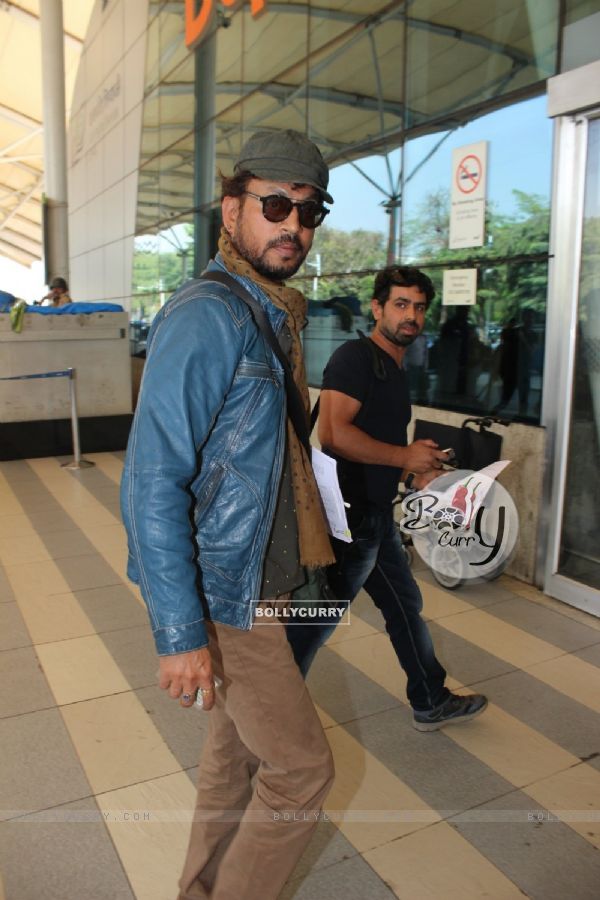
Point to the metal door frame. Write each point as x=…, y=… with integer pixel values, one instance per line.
x=570, y=157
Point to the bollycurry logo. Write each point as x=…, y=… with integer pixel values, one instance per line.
x=198, y=13
x=464, y=525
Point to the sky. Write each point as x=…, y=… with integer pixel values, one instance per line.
x=519, y=156
x=23, y=282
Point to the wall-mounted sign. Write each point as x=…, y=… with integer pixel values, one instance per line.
x=459, y=287
x=198, y=13
x=469, y=178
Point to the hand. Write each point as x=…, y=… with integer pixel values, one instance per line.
x=182, y=674
x=422, y=456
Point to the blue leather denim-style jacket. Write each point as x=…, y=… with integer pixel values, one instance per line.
x=204, y=463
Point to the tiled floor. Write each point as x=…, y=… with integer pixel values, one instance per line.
x=98, y=765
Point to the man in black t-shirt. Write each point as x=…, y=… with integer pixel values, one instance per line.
x=365, y=411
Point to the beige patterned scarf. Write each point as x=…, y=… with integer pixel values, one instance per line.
x=315, y=547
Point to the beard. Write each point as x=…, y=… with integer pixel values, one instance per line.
x=259, y=261
x=397, y=338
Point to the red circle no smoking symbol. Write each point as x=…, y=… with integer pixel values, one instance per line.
x=468, y=174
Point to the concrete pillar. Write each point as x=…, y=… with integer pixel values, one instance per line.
x=204, y=162
x=55, y=138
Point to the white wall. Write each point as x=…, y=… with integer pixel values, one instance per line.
x=104, y=151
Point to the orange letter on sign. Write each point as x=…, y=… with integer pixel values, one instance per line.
x=195, y=22
x=256, y=6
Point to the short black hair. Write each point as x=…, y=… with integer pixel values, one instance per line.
x=404, y=276
x=235, y=185
x=59, y=283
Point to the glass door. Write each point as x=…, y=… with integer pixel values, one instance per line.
x=573, y=560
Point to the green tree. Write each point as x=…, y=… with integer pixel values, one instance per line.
x=504, y=287
x=346, y=260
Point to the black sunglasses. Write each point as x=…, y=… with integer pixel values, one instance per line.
x=276, y=208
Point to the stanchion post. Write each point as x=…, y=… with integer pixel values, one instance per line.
x=77, y=462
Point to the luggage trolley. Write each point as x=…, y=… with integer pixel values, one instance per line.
x=474, y=448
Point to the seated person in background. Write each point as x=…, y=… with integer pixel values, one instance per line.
x=58, y=295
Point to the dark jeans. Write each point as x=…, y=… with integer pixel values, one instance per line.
x=376, y=561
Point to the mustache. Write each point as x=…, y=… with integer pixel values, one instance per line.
x=285, y=239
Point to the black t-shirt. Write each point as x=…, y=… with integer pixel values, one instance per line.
x=384, y=415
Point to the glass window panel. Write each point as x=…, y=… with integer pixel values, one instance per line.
x=152, y=74
x=365, y=193
x=273, y=42
x=145, y=281
x=463, y=53
x=518, y=183
x=173, y=49
x=161, y=263
x=487, y=357
x=336, y=308
x=579, y=9
x=174, y=169
x=356, y=88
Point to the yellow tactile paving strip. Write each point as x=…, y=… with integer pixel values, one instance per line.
x=147, y=800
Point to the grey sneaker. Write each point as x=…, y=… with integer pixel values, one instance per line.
x=453, y=710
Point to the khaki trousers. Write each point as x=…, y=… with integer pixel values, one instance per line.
x=247, y=836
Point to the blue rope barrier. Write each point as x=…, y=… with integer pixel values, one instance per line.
x=67, y=372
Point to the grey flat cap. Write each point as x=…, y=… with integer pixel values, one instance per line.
x=285, y=156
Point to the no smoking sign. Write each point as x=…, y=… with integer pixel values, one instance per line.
x=468, y=190
x=469, y=173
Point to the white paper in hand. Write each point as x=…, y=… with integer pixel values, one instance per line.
x=325, y=469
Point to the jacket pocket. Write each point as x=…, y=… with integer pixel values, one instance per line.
x=228, y=523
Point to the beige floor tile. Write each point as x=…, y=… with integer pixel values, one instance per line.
x=350, y=627
x=571, y=676
x=150, y=825
x=437, y=862
x=9, y=505
x=326, y=720
x=375, y=657
x=109, y=464
x=55, y=618
x=369, y=804
x=18, y=549
x=438, y=603
x=104, y=539
x=574, y=797
x=117, y=742
x=108, y=536
x=101, y=527
x=73, y=496
x=508, y=746
x=15, y=526
x=500, y=639
x=534, y=594
x=44, y=578
x=80, y=669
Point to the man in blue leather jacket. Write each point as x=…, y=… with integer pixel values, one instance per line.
x=222, y=515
